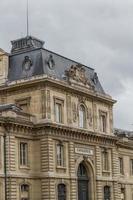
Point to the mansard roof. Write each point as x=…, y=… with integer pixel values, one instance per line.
x=28, y=58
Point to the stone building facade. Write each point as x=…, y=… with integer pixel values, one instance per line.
x=56, y=130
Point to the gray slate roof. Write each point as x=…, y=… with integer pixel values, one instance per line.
x=39, y=57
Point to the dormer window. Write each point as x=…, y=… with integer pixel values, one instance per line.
x=82, y=117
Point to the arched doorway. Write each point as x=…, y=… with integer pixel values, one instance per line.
x=83, y=183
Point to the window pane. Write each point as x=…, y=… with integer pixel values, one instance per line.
x=24, y=192
x=23, y=153
x=106, y=193
x=121, y=165
x=82, y=117
x=60, y=155
x=105, y=160
x=58, y=112
x=103, y=121
x=61, y=192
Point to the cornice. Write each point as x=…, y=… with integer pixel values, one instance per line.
x=10, y=121
x=47, y=80
x=74, y=133
x=123, y=144
x=56, y=130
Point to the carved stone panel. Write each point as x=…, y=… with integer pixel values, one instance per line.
x=74, y=111
x=90, y=117
x=76, y=74
x=43, y=100
x=69, y=120
x=48, y=105
x=95, y=115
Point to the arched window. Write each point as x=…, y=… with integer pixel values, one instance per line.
x=82, y=117
x=61, y=192
x=24, y=192
x=107, y=193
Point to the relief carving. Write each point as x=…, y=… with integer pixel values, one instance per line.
x=48, y=105
x=81, y=99
x=76, y=73
x=90, y=117
x=43, y=96
x=68, y=109
x=95, y=115
x=74, y=110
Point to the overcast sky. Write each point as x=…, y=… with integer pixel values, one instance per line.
x=98, y=33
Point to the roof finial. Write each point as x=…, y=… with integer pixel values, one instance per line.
x=27, y=18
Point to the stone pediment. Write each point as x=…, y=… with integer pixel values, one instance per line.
x=76, y=74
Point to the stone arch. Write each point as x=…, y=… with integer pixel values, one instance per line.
x=91, y=174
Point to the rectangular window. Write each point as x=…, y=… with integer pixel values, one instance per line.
x=58, y=112
x=60, y=155
x=23, y=154
x=121, y=165
x=131, y=166
x=103, y=121
x=105, y=160
x=122, y=193
x=58, y=109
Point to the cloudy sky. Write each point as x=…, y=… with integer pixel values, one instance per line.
x=98, y=33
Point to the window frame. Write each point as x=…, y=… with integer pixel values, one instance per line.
x=58, y=197
x=58, y=101
x=121, y=165
x=109, y=196
x=60, y=158
x=83, y=116
x=105, y=160
x=123, y=192
x=103, y=121
x=20, y=194
x=21, y=164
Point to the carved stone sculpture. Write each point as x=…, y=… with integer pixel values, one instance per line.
x=76, y=73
